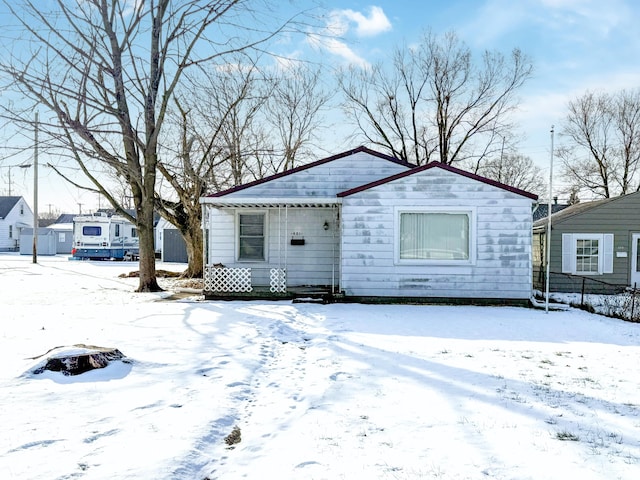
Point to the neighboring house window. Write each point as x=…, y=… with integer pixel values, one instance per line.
x=435, y=236
x=134, y=233
x=117, y=229
x=10, y=231
x=587, y=254
x=251, y=236
x=21, y=209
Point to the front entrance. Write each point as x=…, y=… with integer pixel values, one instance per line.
x=635, y=259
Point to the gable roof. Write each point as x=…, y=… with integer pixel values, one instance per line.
x=541, y=210
x=7, y=204
x=573, y=210
x=443, y=166
x=311, y=165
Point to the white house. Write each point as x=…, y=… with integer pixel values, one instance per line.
x=367, y=226
x=15, y=215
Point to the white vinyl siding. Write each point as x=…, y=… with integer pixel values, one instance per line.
x=314, y=263
x=587, y=253
x=325, y=180
x=500, y=236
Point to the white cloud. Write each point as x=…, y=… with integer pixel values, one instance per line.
x=338, y=48
x=340, y=24
x=367, y=26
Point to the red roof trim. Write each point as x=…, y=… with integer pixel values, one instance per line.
x=311, y=165
x=449, y=168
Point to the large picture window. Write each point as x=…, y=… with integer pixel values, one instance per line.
x=439, y=236
x=587, y=253
x=251, y=236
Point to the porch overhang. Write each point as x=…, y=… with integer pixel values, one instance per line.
x=274, y=202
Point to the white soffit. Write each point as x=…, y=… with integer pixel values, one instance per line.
x=262, y=202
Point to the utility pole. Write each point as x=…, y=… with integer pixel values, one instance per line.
x=35, y=195
x=548, y=235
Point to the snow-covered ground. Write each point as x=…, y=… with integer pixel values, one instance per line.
x=341, y=391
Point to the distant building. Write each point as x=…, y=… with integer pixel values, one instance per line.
x=15, y=215
x=540, y=210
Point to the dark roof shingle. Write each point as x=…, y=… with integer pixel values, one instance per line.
x=7, y=204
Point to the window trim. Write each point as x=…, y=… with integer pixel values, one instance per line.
x=570, y=252
x=471, y=213
x=265, y=214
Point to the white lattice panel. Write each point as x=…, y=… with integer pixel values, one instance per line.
x=227, y=280
x=278, y=283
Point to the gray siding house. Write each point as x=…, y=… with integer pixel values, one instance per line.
x=594, y=243
x=364, y=225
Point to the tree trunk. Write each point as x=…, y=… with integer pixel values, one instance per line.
x=194, y=242
x=147, y=264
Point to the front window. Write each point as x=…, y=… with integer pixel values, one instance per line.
x=251, y=236
x=587, y=255
x=434, y=236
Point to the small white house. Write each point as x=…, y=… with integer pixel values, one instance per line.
x=367, y=226
x=15, y=215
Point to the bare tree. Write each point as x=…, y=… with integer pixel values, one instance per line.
x=294, y=105
x=515, y=170
x=435, y=102
x=203, y=162
x=603, y=153
x=243, y=125
x=106, y=71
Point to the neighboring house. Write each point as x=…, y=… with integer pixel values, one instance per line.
x=15, y=215
x=540, y=210
x=367, y=226
x=596, y=242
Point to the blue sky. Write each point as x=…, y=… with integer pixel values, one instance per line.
x=575, y=46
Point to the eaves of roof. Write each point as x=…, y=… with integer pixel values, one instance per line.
x=571, y=211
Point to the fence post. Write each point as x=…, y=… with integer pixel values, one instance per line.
x=582, y=293
x=633, y=301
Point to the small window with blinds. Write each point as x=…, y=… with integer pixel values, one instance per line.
x=251, y=237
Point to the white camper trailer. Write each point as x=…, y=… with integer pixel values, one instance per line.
x=103, y=237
